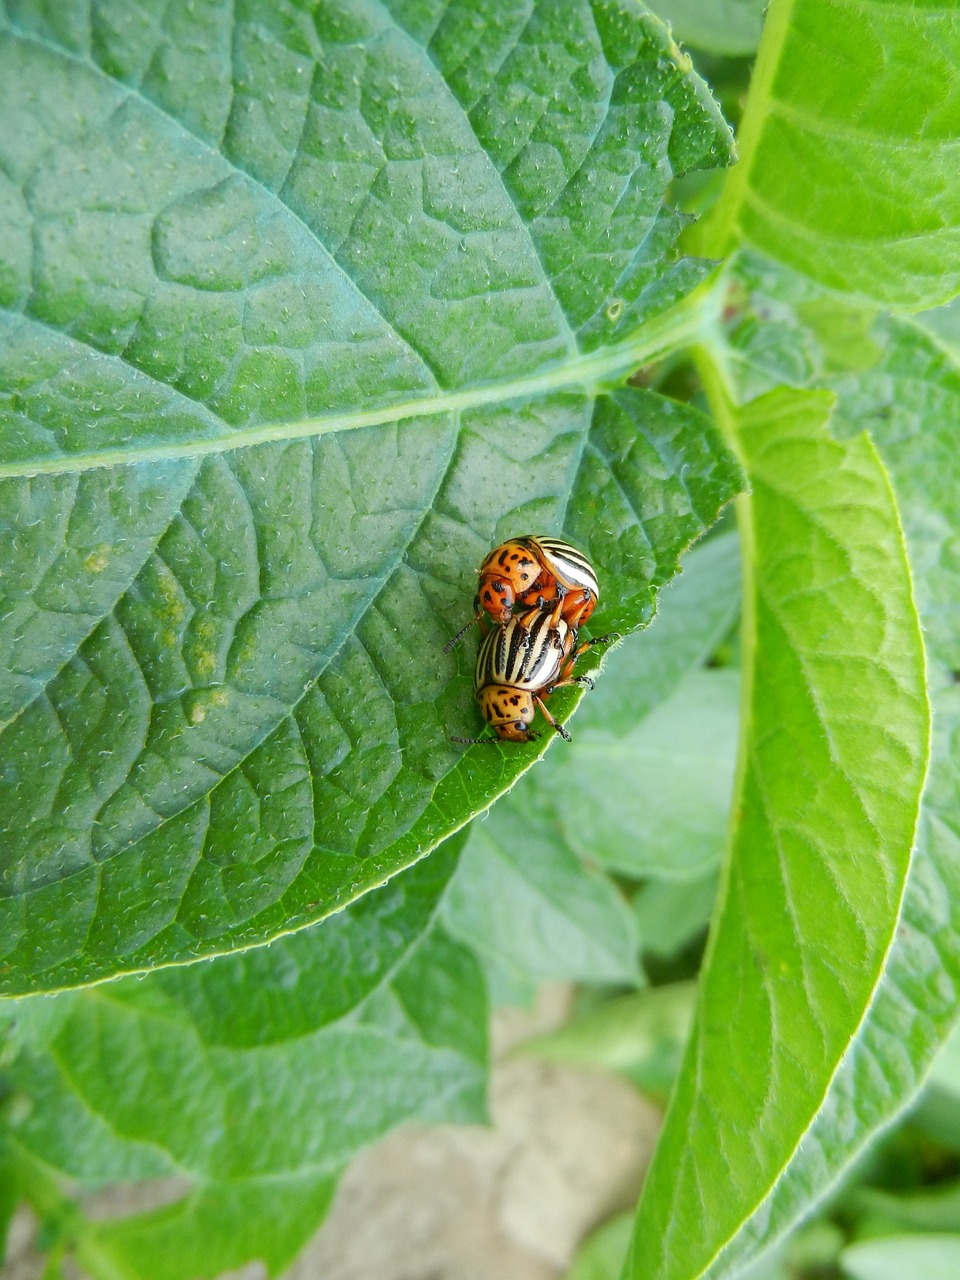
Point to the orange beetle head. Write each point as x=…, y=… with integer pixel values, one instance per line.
x=508, y=571
x=497, y=596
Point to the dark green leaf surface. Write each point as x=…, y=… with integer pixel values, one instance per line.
x=911, y=405
x=833, y=757
x=300, y=313
x=257, y=1076
x=848, y=149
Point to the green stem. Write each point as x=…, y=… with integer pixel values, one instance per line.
x=720, y=232
x=72, y=1233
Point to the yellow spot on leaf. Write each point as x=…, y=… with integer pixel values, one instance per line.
x=98, y=559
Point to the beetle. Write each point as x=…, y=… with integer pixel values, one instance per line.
x=520, y=664
x=535, y=572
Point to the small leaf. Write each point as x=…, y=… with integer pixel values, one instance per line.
x=600, y=1256
x=930, y=1209
x=640, y=1035
x=847, y=152
x=726, y=27
x=833, y=757
x=933, y=1257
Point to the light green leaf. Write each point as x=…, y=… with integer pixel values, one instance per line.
x=933, y=1257
x=945, y=1069
x=849, y=150
x=719, y=26
x=671, y=913
x=639, y=1035
x=214, y=1227
x=256, y=1077
x=936, y=1112
x=911, y=404
x=694, y=612
x=300, y=314
x=655, y=801
x=532, y=911
x=600, y=1256
x=833, y=756
x=931, y=1209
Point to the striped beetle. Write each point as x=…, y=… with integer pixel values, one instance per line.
x=520, y=664
x=536, y=572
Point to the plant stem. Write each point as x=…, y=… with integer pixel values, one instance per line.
x=719, y=233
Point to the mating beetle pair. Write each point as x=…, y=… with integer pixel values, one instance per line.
x=532, y=652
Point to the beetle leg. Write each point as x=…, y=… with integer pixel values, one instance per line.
x=554, y=624
x=586, y=606
x=588, y=644
x=550, y=720
x=566, y=679
x=607, y=639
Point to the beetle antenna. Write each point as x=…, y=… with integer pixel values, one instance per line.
x=461, y=633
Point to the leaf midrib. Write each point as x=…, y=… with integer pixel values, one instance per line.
x=673, y=328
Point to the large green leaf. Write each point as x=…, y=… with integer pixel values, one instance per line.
x=301, y=310
x=848, y=149
x=256, y=1077
x=911, y=404
x=833, y=756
